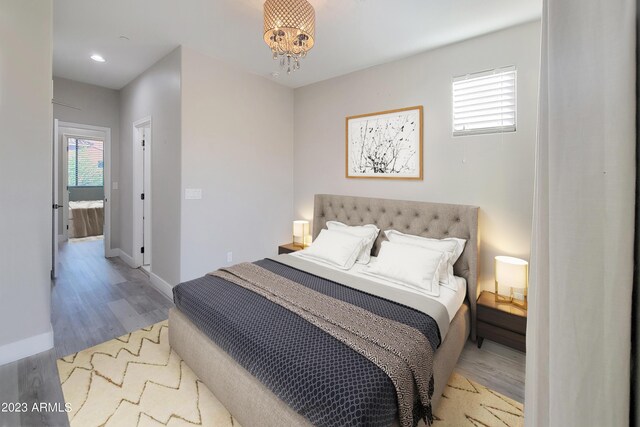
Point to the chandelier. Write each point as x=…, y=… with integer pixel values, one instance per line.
x=289, y=28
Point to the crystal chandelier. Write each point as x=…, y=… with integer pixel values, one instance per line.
x=289, y=28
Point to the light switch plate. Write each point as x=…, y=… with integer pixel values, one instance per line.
x=193, y=193
x=114, y=185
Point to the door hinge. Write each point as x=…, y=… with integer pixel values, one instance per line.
x=142, y=196
x=142, y=250
x=143, y=142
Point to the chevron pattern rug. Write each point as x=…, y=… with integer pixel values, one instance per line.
x=138, y=380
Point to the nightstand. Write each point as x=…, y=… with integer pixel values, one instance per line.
x=288, y=248
x=501, y=322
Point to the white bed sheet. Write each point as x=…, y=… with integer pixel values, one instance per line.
x=452, y=300
x=86, y=204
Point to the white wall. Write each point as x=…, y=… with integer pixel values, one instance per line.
x=95, y=106
x=237, y=146
x=26, y=146
x=155, y=93
x=494, y=172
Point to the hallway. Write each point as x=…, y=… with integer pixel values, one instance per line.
x=94, y=299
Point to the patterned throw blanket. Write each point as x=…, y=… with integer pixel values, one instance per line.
x=397, y=340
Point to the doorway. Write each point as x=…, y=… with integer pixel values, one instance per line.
x=142, y=148
x=82, y=187
x=83, y=183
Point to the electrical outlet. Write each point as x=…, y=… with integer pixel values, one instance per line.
x=229, y=256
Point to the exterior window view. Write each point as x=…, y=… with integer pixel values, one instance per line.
x=85, y=164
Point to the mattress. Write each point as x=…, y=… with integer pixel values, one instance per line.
x=451, y=299
x=312, y=372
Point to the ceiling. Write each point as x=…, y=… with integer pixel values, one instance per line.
x=350, y=34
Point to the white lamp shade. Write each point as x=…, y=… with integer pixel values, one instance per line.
x=511, y=271
x=300, y=228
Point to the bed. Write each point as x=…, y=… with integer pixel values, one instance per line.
x=252, y=402
x=86, y=218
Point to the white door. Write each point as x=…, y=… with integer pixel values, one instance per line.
x=54, y=201
x=142, y=192
x=146, y=203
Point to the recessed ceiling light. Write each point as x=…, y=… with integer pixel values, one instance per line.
x=97, y=58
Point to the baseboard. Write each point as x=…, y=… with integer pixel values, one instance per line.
x=62, y=238
x=161, y=286
x=128, y=259
x=27, y=347
x=158, y=283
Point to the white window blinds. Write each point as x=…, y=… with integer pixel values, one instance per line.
x=485, y=102
x=85, y=163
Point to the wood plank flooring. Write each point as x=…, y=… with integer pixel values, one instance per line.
x=495, y=366
x=96, y=299
x=93, y=300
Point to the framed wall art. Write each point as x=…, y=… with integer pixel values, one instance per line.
x=385, y=145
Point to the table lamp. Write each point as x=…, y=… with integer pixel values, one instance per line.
x=300, y=231
x=512, y=280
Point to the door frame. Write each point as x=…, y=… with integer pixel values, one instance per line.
x=55, y=165
x=138, y=188
x=107, y=172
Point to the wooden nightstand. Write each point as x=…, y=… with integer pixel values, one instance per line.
x=503, y=323
x=288, y=248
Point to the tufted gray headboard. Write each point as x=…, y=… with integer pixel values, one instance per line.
x=436, y=220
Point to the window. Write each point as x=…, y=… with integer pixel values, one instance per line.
x=485, y=102
x=86, y=162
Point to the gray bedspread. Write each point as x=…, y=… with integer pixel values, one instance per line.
x=321, y=377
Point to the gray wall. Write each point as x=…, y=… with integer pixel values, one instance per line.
x=494, y=172
x=237, y=146
x=95, y=106
x=26, y=123
x=155, y=93
x=86, y=193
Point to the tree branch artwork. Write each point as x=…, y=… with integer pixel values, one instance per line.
x=387, y=144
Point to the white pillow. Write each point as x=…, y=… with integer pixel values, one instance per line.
x=409, y=265
x=452, y=246
x=368, y=231
x=335, y=248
